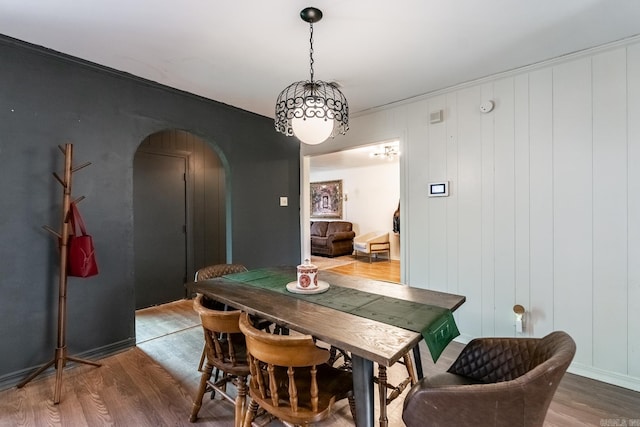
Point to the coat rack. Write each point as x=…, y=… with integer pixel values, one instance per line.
x=61, y=357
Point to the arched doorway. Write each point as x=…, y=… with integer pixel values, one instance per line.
x=179, y=214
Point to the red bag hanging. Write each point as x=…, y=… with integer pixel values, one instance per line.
x=81, y=260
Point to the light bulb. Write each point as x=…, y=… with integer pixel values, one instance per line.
x=312, y=130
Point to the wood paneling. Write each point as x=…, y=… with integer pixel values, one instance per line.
x=470, y=274
x=543, y=209
x=633, y=209
x=451, y=123
x=572, y=202
x=545, y=194
x=504, y=207
x=540, y=318
x=437, y=207
x=522, y=194
x=486, y=198
x=417, y=244
x=610, y=224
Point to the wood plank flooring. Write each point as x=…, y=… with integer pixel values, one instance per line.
x=376, y=269
x=153, y=384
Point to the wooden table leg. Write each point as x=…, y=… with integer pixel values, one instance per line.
x=363, y=390
x=382, y=393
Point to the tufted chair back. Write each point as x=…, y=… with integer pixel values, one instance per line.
x=218, y=270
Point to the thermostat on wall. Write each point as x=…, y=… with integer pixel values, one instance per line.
x=439, y=189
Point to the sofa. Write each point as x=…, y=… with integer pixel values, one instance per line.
x=332, y=238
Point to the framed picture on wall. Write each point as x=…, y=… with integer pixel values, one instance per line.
x=326, y=199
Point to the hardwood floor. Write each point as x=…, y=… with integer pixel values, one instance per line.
x=379, y=269
x=153, y=384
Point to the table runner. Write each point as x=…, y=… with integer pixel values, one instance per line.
x=436, y=324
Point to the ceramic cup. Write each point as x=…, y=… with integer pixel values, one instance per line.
x=307, y=276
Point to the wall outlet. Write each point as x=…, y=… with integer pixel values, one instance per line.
x=519, y=328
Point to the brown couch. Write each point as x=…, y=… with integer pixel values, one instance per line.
x=332, y=238
x=497, y=382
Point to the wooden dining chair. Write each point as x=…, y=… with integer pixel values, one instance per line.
x=218, y=270
x=210, y=272
x=290, y=378
x=226, y=351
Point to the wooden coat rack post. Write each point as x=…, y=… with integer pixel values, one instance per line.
x=61, y=357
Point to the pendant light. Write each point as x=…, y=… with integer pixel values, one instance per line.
x=312, y=110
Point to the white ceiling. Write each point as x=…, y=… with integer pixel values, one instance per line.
x=368, y=155
x=244, y=52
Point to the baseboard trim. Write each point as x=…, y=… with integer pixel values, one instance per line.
x=608, y=377
x=14, y=378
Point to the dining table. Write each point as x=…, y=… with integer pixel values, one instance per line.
x=368, y=329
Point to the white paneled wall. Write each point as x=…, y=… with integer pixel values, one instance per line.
x=633, y=211
x=417, y=240
x=610, y=225
x=544, y=208
x=573, y=203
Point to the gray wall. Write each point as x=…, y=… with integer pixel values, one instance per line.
x=47, y=99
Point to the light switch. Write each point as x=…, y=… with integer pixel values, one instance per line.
x=284, y=201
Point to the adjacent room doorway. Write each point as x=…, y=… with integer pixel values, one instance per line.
x=370, y=176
